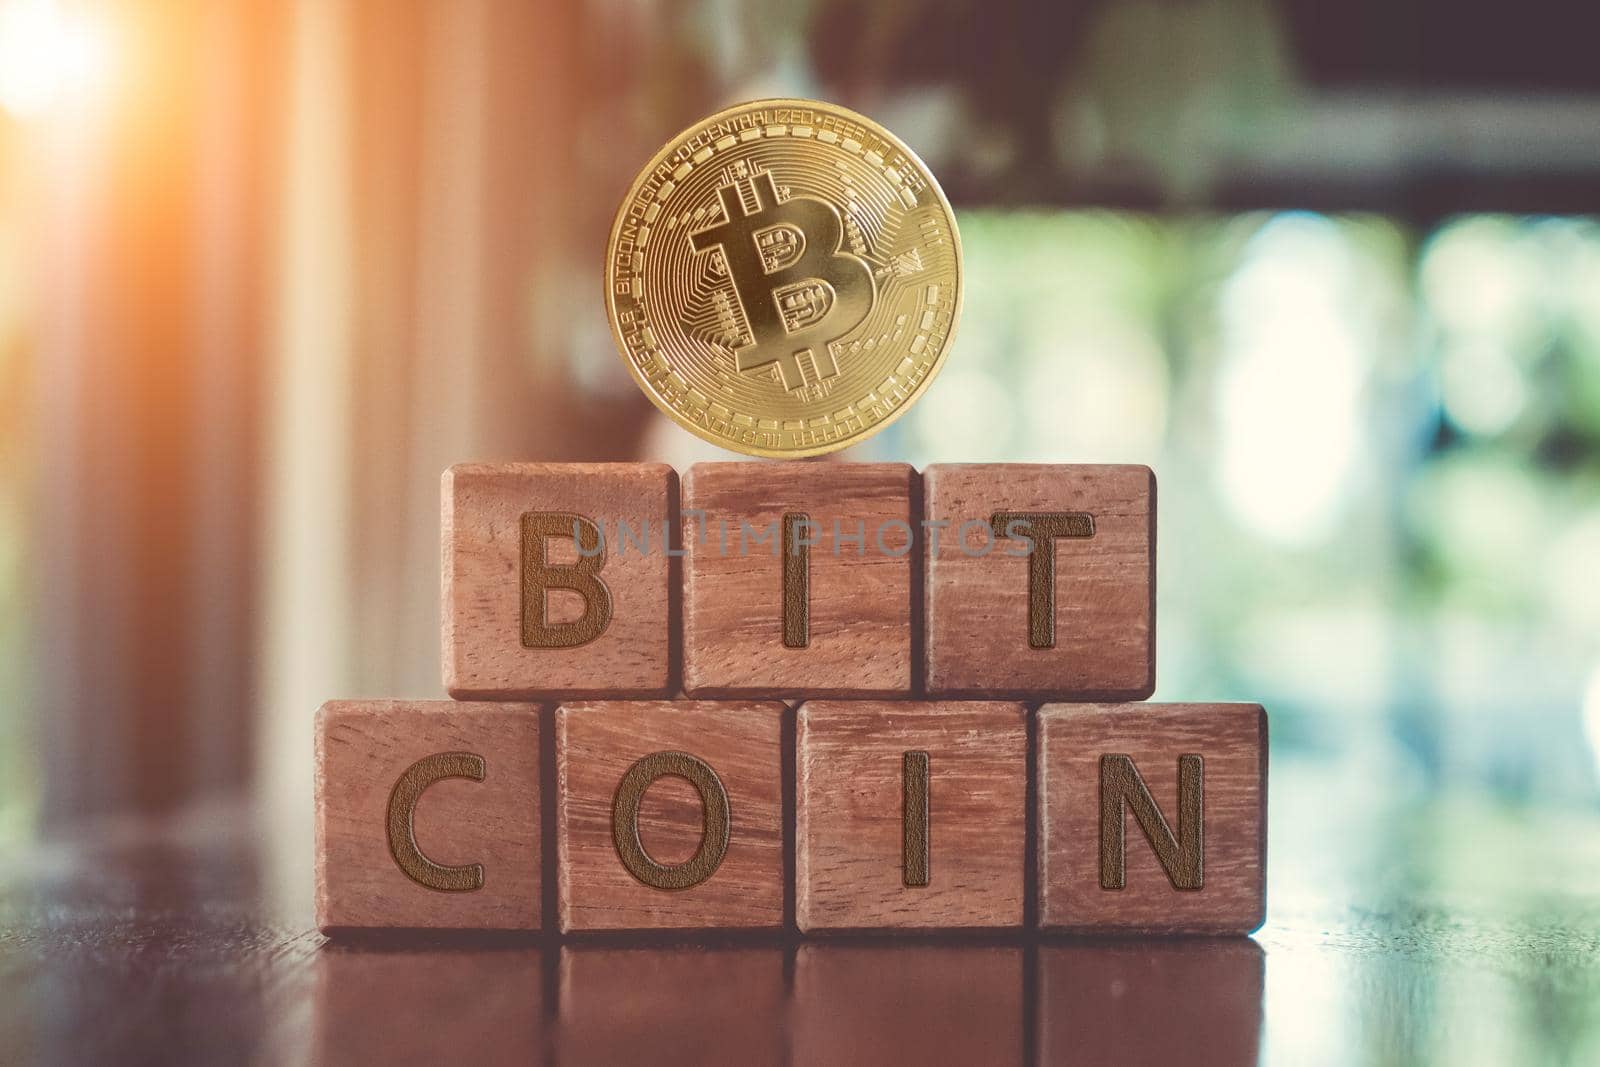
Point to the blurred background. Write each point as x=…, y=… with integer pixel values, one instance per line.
x=1332, y=269
x=266, y=269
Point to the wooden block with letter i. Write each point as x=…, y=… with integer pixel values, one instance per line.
x=557, y=580
x=1040, y=581
x=427, y=815
x=1152, y=817
x=797, y=579
x=910, y=815
x=919, y=1004
x=669, y=815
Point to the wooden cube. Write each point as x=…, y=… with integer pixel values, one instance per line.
x=1042, y=581
x=669, y=815
x=910, y=815
x=918, y=1004
x=420, y=1004
x=1150, y=1001
x=1152, y=817
x=557, y=580
x=427, y=815
x=822, y=606
x=672, y=1004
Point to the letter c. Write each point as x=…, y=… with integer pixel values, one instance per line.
x=402, y=814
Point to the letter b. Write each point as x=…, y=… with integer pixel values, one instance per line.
x=539, y=576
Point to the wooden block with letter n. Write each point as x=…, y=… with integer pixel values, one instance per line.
x=427, y=815
x=669, y=815
x=1152, y=817
x=557, y=580
x=1148, y=1000
x=1040, y=581
x=910, y=815
x=797, y=579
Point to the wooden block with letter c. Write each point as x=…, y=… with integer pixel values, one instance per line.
x=1040, y=581
x=427, y=815
x=669, y=815
x=797, y=579
x=1152, y=818
x=910, y=815
x=557, y=580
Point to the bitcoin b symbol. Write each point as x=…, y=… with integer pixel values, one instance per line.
x=797, y=290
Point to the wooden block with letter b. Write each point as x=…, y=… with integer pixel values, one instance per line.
x=1040, y=581
x=669, y=815
x=910, y=815
x=557, y=580
x=427, y=815
x=797, y=579
x=1152, y=817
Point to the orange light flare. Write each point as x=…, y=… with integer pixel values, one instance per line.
x=51, y=54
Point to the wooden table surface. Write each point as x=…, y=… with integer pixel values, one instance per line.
x=1401, y=929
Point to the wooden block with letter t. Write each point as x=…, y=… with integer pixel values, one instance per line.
x=1152, y=817
x=669, y=815
x=797, y=579
x=427, y=815
x=1040, y=581
x=910, y=815
x=557, y=580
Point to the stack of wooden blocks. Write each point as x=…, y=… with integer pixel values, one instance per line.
x=819, y=696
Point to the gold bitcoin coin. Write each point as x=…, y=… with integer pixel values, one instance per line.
x=784, y=278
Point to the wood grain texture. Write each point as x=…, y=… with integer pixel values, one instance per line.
x=363, y=748
x=679, y=1005
x=976, y=616
x=910, y=1004
x=425, y=1004
x=188, y=938
x=860, y=605
x=1232, y=741
x=484, y=655
x=597, y=742
x=849, y=871
x=1178, y=1001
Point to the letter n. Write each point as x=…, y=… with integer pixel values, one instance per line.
x=1182, y=854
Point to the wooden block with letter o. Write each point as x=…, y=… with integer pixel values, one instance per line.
x=664, y=1005
x=797, y=579
x=1040, y=581
x=557, y=580
x=910, y=815
x=427, y=815
x=669, y=814
x=1152, y=817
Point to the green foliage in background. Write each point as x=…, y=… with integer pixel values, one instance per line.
x=1378, y=456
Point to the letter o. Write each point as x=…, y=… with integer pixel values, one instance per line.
x=714, y=826
x=982, y=527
